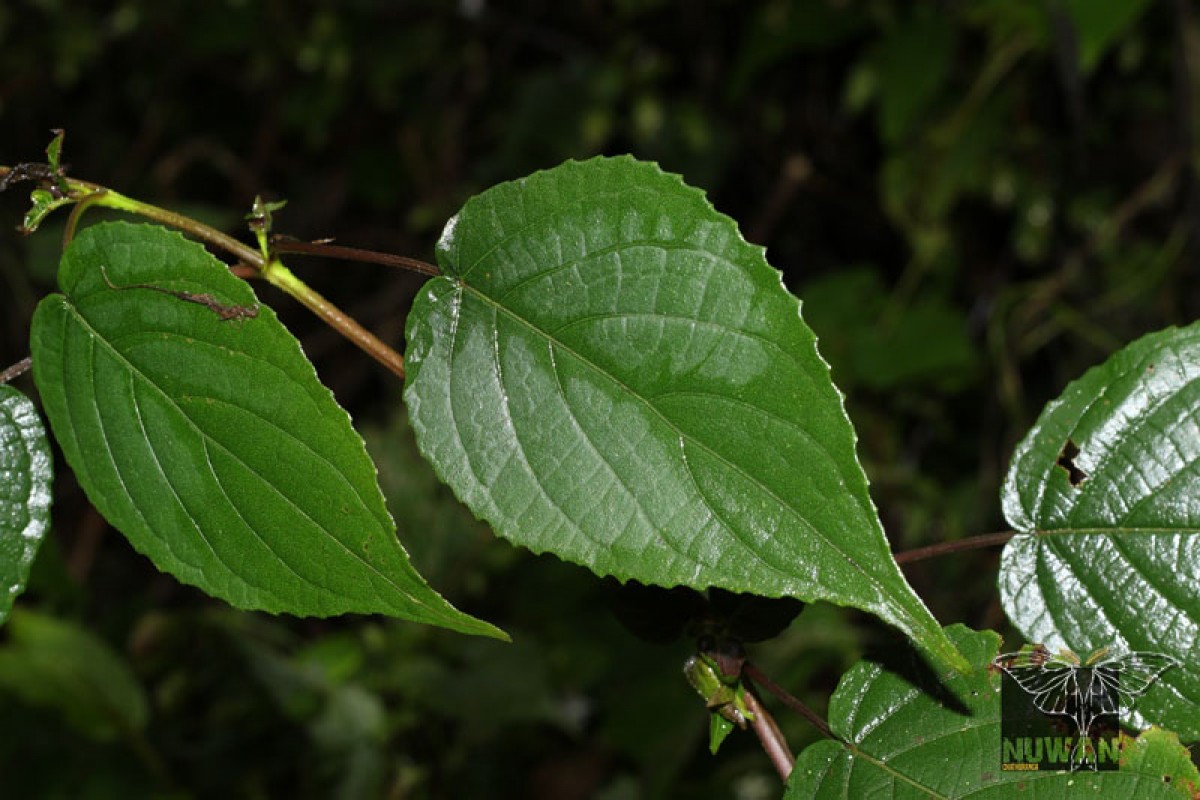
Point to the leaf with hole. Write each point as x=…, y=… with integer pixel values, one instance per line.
x=607, y=371
x=26, y=471
x=209, y=442
x=1106, y=490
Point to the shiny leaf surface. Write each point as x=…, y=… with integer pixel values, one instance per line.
x=26, y=471
x=607, y=371
x=198, y=428
x=1107, y=488
x=908, y=733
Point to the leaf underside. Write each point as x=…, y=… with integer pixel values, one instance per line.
x=210, y=443
x=607, y=371
x=907, y=736
x=26, y=472
x=1107, y=487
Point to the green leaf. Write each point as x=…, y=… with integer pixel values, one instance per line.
x=209, y=442
x=719, y=729
x=26, y=470
x=871, y=340
x=1159, y=752
x=907, y=734
x=41, y=203
x=446, y=543
x=724, y=697
x=1098, y=26
x=54, y=151
x=607, y=371
x=913, y=62
x=56, y=664
x=1107, y=485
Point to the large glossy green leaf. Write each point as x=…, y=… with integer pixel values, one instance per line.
x=609, y=372
x=1107, y=487
x=209, y=442
x=26, y=471
x=56, y=664
x=906, y=733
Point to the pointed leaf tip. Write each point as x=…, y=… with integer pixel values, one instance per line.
x=608, y=371
x=209, y=441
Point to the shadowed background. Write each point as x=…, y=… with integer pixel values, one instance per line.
x=974, y=201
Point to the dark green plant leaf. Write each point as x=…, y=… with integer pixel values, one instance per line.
x=775, y=33
x=873, y=341
x=26, y=471
x=54, y=151
x=908, y=733
x=1106, y=484
x=1159, y=752
x=209, y=442
x=55, y=664
x=609, y=372
x=446, y=543
x=1097, y=26
x=912, y=63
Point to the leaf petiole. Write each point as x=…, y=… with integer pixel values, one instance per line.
x=16, y=370
x=958, y=545
x=283, y=244
x=56, y=190
x=107, y=198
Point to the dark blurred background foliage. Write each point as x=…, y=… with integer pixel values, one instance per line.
x=975, y=201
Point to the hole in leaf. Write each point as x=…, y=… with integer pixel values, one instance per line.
x=1066, y=460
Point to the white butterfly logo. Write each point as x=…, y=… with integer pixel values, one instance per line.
x=1063, y=686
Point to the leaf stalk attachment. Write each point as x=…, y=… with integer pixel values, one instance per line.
x=56, y=190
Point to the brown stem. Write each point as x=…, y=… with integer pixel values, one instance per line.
x=773, y=742
x=368, y=342
x=278, y=275
x=16, y=370
x=944, y=548
x=751, y=671
x=281, y=244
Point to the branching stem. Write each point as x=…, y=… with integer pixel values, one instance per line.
x=85, y=195
x=115, y=200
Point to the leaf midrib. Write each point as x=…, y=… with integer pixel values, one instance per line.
x=460, y=284
x=96, y=336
